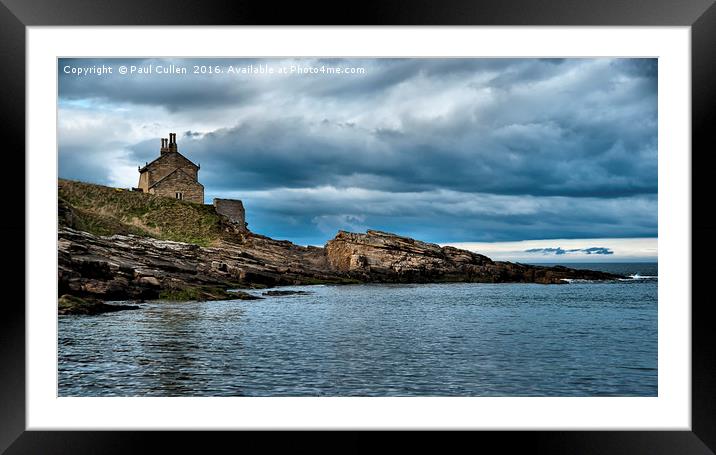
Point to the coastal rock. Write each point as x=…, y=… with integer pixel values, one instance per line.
x=283, y=293
x=130, y=267
x=68, y=304
x=384, y=257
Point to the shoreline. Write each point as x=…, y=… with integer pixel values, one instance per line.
x=263, y=293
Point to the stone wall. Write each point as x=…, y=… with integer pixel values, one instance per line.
x=144, y=181
x=191, y=190
x=233, y=209
x=167, y=163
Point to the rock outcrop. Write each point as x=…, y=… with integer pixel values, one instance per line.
x=383, y=257
x=125, y=267
x=69, y=304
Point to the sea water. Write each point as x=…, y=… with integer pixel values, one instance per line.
x=457, y=339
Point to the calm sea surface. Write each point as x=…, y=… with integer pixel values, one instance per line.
x=578, y=339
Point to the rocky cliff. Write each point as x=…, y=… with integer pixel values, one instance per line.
x=122, y=245
x=133, y=267
x=383, y=257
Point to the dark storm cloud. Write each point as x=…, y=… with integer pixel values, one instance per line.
x=170, y=92
x=385, y=74
x=585, y=136
x=537, y=159
x=208, y=90
x=446, y=149
x=597, y=250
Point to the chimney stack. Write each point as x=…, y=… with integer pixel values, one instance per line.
x=172, y=142
x=165, y=146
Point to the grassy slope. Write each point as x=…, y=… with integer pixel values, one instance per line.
x=103, y=210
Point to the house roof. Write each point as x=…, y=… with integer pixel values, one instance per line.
x=172, y=173
x=162, y=156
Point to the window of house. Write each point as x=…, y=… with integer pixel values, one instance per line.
x=179, y=195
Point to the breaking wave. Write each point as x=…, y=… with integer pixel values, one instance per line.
x=637, y=276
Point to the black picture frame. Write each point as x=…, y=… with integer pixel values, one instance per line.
x=16, y=15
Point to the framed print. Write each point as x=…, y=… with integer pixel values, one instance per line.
x=470, y=218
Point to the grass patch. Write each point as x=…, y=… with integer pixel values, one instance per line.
x=103, y=210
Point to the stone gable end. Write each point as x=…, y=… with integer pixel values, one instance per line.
x=179, y=182
x=168, y=163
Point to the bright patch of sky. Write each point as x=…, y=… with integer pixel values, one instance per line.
x=567, y=250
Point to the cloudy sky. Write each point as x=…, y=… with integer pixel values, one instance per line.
x=485, y=153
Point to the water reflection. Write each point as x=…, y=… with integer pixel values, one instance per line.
x=453, y=339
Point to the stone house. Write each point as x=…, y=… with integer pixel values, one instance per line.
x=171, y=174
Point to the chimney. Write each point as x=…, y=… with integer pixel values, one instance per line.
x=172, y=142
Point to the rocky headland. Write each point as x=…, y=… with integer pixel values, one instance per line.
x=120, y=245
x=384, y=257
